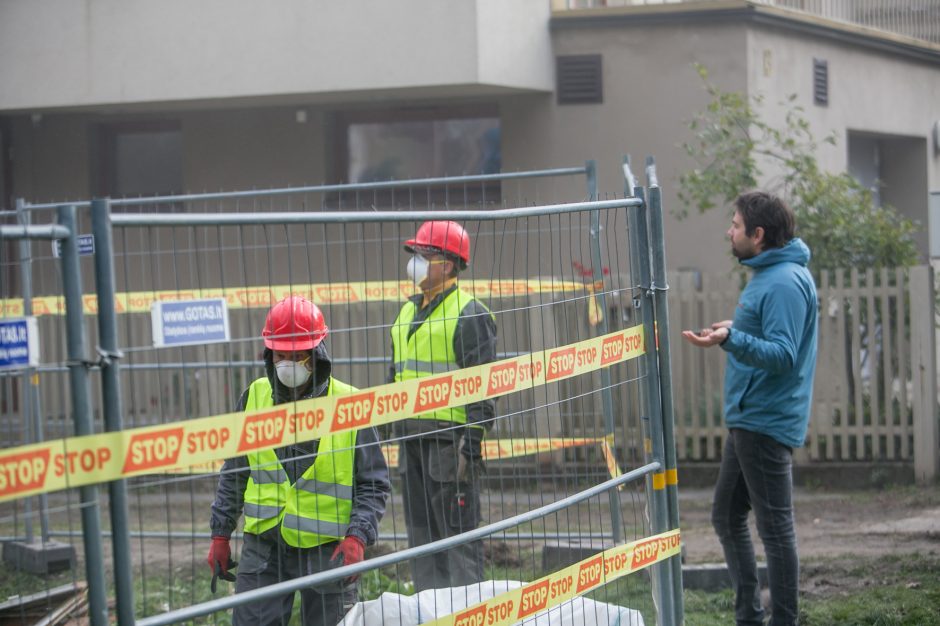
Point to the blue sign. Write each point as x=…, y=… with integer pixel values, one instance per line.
x=188, y=322
x=19, y=343
x=86, y=246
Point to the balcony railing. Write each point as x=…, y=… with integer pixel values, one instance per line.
x=915, y=19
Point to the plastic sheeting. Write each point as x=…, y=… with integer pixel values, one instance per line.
x=392, y=609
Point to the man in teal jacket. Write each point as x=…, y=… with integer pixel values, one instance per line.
x=771, y=348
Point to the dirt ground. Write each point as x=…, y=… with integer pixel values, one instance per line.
x=835, y=530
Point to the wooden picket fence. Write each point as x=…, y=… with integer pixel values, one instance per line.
x=874, y=393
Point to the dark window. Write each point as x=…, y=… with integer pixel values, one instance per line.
x=143, y=158
x=821, y=82
x=579, y=79
x=375, y=146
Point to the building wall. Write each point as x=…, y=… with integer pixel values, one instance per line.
x=56, y=154
x=50, y=157
x=651, y=90
x=889, y=98
x=264, y=148
x=130, y=52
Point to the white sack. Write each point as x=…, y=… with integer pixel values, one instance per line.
x=392, y=609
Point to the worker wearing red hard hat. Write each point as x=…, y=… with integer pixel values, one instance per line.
x=440, y=329
x=309, y=505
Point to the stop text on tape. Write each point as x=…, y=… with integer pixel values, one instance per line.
x=565, y=584
x=90, y=459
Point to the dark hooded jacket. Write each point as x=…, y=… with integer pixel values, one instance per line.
x=371, y=486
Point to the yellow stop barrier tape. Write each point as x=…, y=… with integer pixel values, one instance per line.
x=492, y=450
x=566, y=584
x=320, y=293
x=90, y=459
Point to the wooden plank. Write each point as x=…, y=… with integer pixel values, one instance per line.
x=887, y=361
x=924, y=369
x=873, y=346
x=843, y=428
x=903, y=344
x=858, y=451
x=821, y=419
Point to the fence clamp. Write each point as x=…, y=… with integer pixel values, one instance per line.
x=106, y=357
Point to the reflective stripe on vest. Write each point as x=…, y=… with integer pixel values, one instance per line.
x=266, y=476
x=305, y=525
x=261, y=511
x=341, y=492
x=430, y=349
x=425, y=367
x=317, y=508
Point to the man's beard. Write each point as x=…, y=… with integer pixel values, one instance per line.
x=742, y=255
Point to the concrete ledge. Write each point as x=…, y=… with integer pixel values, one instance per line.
x=39, y=558
x=714, y=576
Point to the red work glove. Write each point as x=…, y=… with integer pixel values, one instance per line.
x=220, y=560
x=349, y=551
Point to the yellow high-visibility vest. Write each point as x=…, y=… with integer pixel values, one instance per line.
x=314, y=510
x=430, y=350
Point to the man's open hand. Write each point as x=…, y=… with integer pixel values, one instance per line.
x=708, y=337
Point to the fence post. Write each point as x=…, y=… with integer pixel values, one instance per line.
x=81, y=407
x=651, y=404
x=112, y=408
x=924, y=374
x=31, y=414
x=607, y=401
x=664, y=359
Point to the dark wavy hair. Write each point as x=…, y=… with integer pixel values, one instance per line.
x=759, y=208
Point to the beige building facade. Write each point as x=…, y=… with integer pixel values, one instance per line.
x=137, y=98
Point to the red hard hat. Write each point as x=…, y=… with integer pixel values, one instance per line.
x=294, y=324
x=449, y=237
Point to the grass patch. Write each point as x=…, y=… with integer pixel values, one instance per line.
x=896, y=590
x=14, y=583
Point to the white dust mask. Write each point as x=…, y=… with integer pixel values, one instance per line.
x=417, y=269
x=292, y=374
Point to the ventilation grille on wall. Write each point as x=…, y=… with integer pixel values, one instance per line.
x=821, y=82
x=579, y=79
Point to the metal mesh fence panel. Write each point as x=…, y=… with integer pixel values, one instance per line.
x=552, y=280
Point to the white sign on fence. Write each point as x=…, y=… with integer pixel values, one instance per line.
x=19, y=343
x=85, y=243
x=189, y=322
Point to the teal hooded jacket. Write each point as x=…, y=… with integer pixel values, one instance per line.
x=772, y=347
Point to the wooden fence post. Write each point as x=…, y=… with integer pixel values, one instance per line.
x=924, y=374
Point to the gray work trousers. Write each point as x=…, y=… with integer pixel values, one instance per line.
x=437, y=507
x=264, y=562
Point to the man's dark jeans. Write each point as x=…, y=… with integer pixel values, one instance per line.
x=756, y=475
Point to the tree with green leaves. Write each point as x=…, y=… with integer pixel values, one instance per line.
x=836, y=216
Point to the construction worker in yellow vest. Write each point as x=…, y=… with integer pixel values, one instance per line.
x=308, y=506
x=440, y=329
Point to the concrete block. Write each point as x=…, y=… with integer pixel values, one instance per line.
x=39, y=558
x=714, y=576
x=559, y=554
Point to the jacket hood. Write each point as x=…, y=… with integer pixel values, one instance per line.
x=322, y=369
x=794, y=251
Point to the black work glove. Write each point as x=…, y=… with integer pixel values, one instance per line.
x=471, y=447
